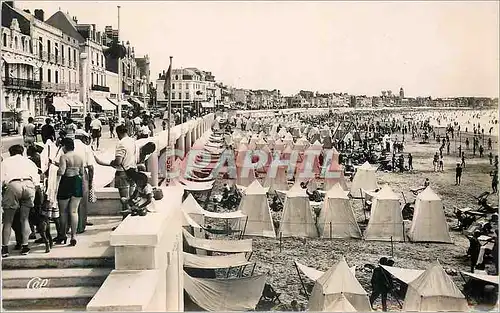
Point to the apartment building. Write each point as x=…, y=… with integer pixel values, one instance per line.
x=190, y=86
x=40, y=64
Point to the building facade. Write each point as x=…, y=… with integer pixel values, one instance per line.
x=47, y=80
x=191, y=87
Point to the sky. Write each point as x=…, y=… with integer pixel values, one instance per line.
x=430, y=48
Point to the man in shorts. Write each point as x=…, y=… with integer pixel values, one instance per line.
x=29, y=133
x=20, y=178
x=96, y=129
x=125, y=163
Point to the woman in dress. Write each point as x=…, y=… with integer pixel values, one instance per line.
x=70, y=190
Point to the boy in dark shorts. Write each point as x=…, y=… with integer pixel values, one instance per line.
x=142, y=200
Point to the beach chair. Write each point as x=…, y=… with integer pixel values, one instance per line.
x=270, y=295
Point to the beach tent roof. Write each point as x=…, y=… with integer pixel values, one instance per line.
x=486, y=278
x=227, y=246
x=296, y=191
x=386, y=193
x=435, y=282
x=340, y=279
x=261, y=141
x=288, y=149
x=242, y=147
x=314, y=274
x=317, y=144
x=255, y=188
x=215, y=262
x=403, y=274
x=367, y=167
x=337, y=192
x=428, y=195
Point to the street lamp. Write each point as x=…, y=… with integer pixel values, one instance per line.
x=143, y=81
x=84, y=83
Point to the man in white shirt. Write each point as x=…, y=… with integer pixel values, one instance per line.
x=83, y=148
x=20, y=178
x=96, y=129
x=125, y=163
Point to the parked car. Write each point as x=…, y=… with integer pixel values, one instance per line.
x=8, y=123
x=104, y=120
x=78, y=118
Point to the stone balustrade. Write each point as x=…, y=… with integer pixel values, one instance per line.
x=182, y=138
x=148, y=261
x=148, y=273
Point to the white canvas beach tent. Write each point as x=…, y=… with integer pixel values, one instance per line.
x=254, y=205
x=297, y=218
x=386, y=219
x=364, y=179
x=244, y=176
x=336, y=219
x=261, y=143
x=279, y=145
x=288, y=139
x=276, y=179
x=429, y=222
x=333, y=173
x=242, y=154
x=434, y=291
x=338, y=280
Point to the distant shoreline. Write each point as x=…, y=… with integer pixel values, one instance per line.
x=347, y=109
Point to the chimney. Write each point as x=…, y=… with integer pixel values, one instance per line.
x=75, y=19
x=159, y=76
x=9, y=3
x=27, y=11
x=39, y=15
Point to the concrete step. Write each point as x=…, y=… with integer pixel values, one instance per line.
x=68, y=277
x=20, y=262
x=47, y=298
x=74, y=309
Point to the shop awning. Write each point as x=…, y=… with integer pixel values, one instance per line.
x=137, y=101
x=104, y=104
x=12, y=60
x=122, y=102
x=74, y=103
x=60, y=104
x=207, y=105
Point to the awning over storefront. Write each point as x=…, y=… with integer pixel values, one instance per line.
x=74, y=103
x=122, y=102
x=137, y=101
x=60, y=104
x=12, y=60
x=207, y=105
x=104, y=103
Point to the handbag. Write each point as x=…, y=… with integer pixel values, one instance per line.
x=92, y=195
x=157, y=194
